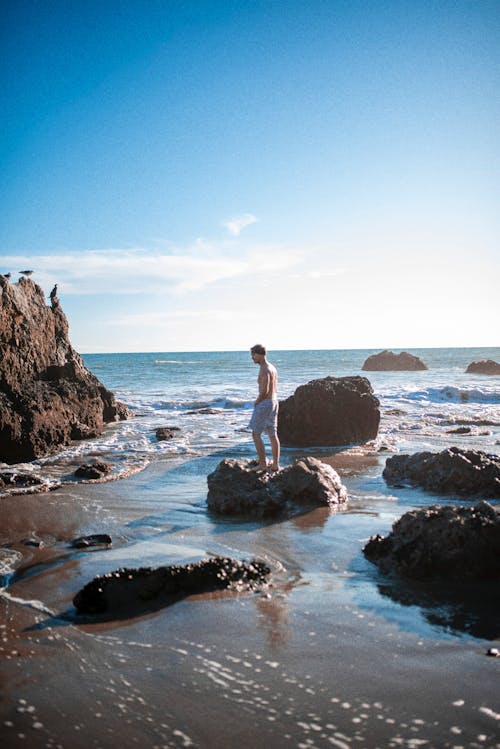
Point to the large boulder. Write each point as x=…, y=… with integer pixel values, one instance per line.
x=387, y=361
x=456, y=543
x=451, y=471
x=485, y=366
x=47, y=395
x=128, y=592
x=329, y=411
x=236, y=488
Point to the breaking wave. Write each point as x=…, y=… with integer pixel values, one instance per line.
x=452, y=394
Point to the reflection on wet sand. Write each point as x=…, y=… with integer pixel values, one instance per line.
x=473, y=609
x=42, y=515
x=352, y=462
x=314, y=519
x=273, y=616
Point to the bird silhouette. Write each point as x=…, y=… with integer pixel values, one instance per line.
x=26, y=272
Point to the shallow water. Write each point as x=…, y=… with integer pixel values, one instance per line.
x=332, y=654
x=418, y=408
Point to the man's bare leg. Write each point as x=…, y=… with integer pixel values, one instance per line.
x=275, y=447
x=261, y=450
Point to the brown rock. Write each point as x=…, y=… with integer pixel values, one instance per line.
x=485, y=366
x=164, y=433
x=95, y=470
x=329, y=411
x=18, y=479
x=47, y=395
x=95, y=539
x=126, y=592
x=235, y=487
x=451, y=471
x=387, y=361
x=456, y=543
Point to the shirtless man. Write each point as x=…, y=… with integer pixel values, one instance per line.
x=265, y=412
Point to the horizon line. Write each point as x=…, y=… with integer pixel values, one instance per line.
x=280, y=350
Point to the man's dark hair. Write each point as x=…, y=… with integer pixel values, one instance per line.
x=258, y=349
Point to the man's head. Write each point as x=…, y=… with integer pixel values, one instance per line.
x=258, y=353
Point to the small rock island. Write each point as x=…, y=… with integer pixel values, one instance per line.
x=387, y=361
x=485, y=367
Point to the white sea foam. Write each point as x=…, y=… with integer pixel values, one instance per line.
x=162, y=393
x=32, y=604
x=175, y=361
x=454, y=394
x=9, y=559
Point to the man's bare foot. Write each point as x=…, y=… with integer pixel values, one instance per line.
x=273, y=469
x=259, y=467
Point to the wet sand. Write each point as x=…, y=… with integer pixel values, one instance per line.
x=331, y=655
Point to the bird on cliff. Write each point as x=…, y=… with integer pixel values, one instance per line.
x=53, y=295
x=26, y=272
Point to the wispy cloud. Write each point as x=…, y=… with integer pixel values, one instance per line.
x=159, y=319
x=180, y=270
x=236, y=224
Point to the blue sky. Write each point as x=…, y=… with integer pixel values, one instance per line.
x=204, y=175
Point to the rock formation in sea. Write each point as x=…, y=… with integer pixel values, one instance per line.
x=236, y=488
x=164, y=433
x=451, y=471
x=95, y=539
x=387, y=361
x=92, y=471
x=329, y=411
x=128, y=592
x=47, y=395
x=456, y=543
x=485, y=366
x=14, y=479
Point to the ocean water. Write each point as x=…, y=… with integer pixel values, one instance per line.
x=333, y=654
x=208, y=397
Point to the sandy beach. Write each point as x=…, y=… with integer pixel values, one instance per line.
x=327, y=656
x=212, y=209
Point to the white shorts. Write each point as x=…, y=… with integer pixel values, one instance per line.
x=265, y=418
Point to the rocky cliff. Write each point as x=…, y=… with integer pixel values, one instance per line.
x=47, y=395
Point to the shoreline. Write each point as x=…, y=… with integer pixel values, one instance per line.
x=332, y=654
x=323, y=658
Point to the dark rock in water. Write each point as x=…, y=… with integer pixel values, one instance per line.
x=95, y=539
x=47, y=395
x=456, y=543
x=329, y=411
x=12, y=479
x=164, y=433
x=36, y=543
x=236, y=488
x=208, y=411
x=459, y=430
x=95, y=470
x=486, y=367
x=452, y=471
x=129, y=591
x=387, y=361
